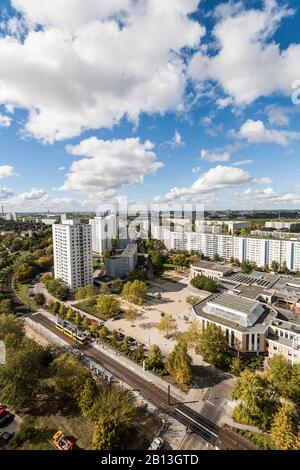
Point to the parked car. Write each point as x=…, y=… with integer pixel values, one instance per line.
x=6, y=419
x=156, y=444
x=5, y=437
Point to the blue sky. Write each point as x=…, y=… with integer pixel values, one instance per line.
x=183, y=101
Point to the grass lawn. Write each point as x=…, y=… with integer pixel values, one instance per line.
x=170, y=277
x=22, y=292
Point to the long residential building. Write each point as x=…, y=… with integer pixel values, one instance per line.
x=72, y=246
x=262, y=251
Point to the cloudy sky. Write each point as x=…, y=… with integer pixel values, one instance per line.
x=173, y=100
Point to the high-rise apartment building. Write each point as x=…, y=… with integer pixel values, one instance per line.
x=72, y=246
x=104, y=229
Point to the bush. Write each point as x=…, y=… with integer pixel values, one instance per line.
x=204, y=283
x=58, y=288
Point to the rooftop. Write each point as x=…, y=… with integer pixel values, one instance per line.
x=213, y=266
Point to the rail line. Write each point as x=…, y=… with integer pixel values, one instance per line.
x=204, y=428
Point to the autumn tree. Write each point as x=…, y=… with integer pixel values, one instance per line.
x=257, y=402
x=135, y=291
x=108, y=306
x=179, y=364
x=167, y=325
x=284, y=428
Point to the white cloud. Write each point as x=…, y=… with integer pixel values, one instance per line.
x=177, y=140
x=5, y=121
x=220, y=177
x=247, y=64
x=89, y=64
x=214, y=157
x=109, y=165
x=278, y=115
x=263, y=180
x=5, y=193
x=39, y=195
x=62, y=168
x=6, y=171
x=242, y=162
x=260, y=196
x=196, y=169
x=256, y=132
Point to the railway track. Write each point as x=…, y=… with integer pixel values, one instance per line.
x=204, y=428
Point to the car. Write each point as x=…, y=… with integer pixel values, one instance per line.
x=156, y=444
x=5, y=437
x=2, y=412
x=6, y=419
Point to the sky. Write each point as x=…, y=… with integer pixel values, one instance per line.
x=162, y=102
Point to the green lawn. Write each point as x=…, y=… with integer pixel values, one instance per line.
x=22, y=292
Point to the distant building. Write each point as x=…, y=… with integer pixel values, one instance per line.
x=120, y=265
x=214, y=271
x=72, y=248
x=278, y=224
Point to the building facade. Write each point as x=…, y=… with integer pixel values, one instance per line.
x=72, y=249
x=103, y=231
x=120, y=265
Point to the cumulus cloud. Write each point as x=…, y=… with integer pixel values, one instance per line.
x=220, y=177
x=5, y=121
x=177, y=140
x=214, y=157
x=34, y=195
x=5, y=193
x=247, y=64
x=260, y=196
x=6, y=171
x=256, y=132
x=109, y=165
x=86, y=65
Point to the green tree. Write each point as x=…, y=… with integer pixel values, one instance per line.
x=11, y=330
x=275, y=266
x=167, y=325
x=114, y=338
x=108, y=306
x=116, y=286
x=126, y=346
x=113, y=411
x=257, y=402
x=135, y=291
x=246, y=267
x=192, y=336
x=284, y=428
x=70, y=314
x=131, y=315
x=179, y=364
x=68, y=376
x=21, y=374
x=103, y=332
x=6, y=306
x=155, y=358
x=204, y=283
x=40, y=299
x=87, y=396
x=58, y=289
x=62, y=311
x=279, y=374
x=236, y=366
x=212, y=345
x=45, y=278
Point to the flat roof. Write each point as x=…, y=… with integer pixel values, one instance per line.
x=212, y=266
x=235, y=302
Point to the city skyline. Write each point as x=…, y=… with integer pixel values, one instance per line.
x=209, y=115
